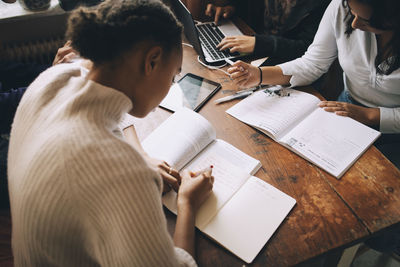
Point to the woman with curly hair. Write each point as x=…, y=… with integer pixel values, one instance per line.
x=80, y=194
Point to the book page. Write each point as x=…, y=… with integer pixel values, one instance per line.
x=179, y=138
x=227, y=180
x=231, y=154
x=274, y=114
x=250, y=218
x=330, y=141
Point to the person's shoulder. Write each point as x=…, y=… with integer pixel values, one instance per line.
x=60, y=73
x=101, y=148
x=336, y=4
x=334, y=11
x=108, y=161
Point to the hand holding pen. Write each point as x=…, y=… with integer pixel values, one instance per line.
x=244, y=75
x=194, y=190
x=205, y=170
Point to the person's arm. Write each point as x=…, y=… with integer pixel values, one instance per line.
x=121, y=198
x=301, y=71
x=192, y=193
x=386, y=120
x=246, y=75
x=293, y=43
x=389, y=120
x=220, y=9
x=321, y=53
x=170, y=176
x=367, y=116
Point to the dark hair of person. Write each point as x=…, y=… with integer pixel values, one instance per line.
x=384, y=17
x=105, y=32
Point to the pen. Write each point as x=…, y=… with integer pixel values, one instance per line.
x=254, y=88
x=232, y=97
x=202, y=171
x=230, y=62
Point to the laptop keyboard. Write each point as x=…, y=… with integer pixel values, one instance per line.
x=211, y=36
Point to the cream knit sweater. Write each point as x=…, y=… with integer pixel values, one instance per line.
x=80, y=195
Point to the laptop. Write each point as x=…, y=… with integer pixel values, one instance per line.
x=206, y=36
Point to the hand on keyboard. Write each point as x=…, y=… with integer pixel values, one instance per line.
x=219, y=9
x=241, y=43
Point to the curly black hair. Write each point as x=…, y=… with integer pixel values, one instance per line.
x=105, y=32
x=384, y=17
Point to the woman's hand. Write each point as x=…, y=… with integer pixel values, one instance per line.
x=171, y=177
x=195, y=190
x=219, y=10
x=244, y=75
x=241, y=43
x=367, y=116
x=65, y=54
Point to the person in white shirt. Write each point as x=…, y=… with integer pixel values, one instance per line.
x=365, y=36
x=80, y=194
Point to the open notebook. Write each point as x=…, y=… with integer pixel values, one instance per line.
x=294, y=119
x=243, y=211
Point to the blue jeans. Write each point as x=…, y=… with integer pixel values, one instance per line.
x=346, y=97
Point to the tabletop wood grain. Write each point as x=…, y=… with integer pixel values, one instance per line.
x=330, y=214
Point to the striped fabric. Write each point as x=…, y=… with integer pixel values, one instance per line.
x=80, y=195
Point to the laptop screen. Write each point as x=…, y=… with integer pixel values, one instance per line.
x=184, y=16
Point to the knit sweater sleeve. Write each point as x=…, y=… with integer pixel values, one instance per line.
x=127, y=120
x=120, y=197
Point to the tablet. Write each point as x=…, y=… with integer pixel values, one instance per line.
x=190, y=91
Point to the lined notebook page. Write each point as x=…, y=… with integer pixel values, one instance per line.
x=227, y=181
x=274, y=114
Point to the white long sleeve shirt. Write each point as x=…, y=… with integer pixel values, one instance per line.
x=80, y=195
x=356, y=55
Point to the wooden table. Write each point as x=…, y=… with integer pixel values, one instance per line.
x=330, y=214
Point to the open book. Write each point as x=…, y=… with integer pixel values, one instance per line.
x=294, y=119
x=243, y=211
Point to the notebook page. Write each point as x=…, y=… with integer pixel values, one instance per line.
x=250, y=218
x=179, y=138
x=274, y=114
x=233, y=155
x=227, y=180
x=330, y=141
